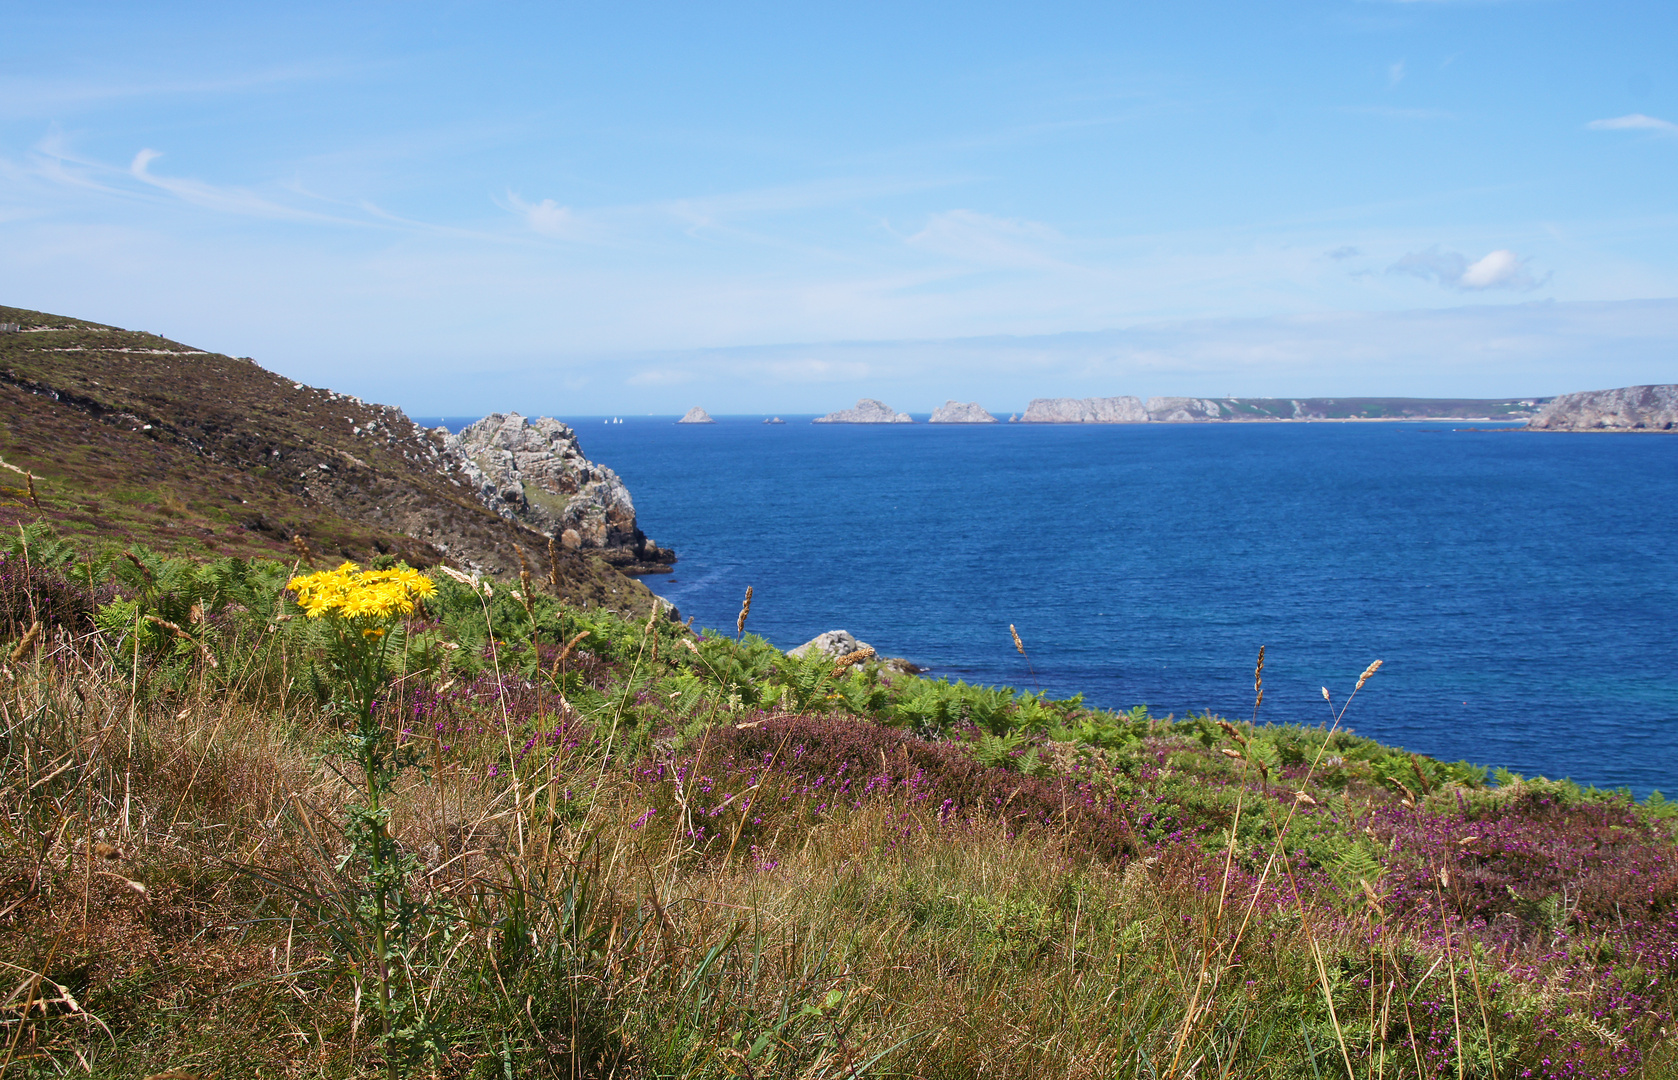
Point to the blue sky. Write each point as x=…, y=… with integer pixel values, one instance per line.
x=640, y=207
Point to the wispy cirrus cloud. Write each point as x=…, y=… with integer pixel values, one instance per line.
x=989, y=240
x=226, y=199
x=1500, y=269
x=1634, y=122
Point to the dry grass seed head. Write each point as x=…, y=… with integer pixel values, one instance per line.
x=745, y=609
x=857, y=657
x=28, y=642
x=1015, y=634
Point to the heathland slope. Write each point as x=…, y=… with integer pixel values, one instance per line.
x=131, y=437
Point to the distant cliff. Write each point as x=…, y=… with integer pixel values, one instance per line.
x=1630, y=408
x=1185, y=410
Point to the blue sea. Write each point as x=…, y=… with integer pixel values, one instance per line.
x=1521, y=588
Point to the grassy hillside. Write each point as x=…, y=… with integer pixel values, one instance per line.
x=131, y=437
x=516, y=838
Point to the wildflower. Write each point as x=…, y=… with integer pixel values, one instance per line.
x=355, y=593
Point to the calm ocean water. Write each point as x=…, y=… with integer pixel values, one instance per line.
x=1522, y=588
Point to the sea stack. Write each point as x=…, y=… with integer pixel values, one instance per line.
x=953, y=412
x=696, y=415
x=867, y=411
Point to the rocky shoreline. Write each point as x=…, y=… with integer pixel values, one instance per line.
x=534, y=472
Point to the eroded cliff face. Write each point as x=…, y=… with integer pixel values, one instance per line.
x=1629, y=408
x=1184, y=410
x=1109, y=410
x=533, y=472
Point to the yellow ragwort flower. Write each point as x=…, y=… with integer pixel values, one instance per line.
x=360, y=594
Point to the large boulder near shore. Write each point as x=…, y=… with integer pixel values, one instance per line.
x=954, y=412
x=534, y=472
x=1630, y=408
x=867, y=411
x=840, y=643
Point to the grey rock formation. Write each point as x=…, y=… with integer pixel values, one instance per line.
x=953, y=412
x=837, y=643
x=696, y=415
x=1111, y=410
x=1630, y=408
x=867, y=411
x=1182, y=410
x=533, y=472
x=834, y=643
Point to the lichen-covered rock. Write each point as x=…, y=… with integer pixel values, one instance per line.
x=533, y=472
x=1110, y=410
x=1629, y=408
x=954, y=412
x=867, y=411
x=696, y=415
x=1183, y=410
x=834, y=643
x=838, y=643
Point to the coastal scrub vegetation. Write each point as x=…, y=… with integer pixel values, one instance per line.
x=430, y=825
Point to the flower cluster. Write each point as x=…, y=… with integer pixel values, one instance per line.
x=353, y=592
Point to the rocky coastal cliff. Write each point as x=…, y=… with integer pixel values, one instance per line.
x=1110, y=410
x=533, y=472
x=131, y=438
x=867, y=411
x=1629, y=408
x=954, y=412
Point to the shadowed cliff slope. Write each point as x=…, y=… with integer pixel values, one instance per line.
x=132, y=437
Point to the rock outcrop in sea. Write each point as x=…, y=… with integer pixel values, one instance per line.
x=696, y=415
x=533, y=472
x=867, y=411
x=1109, y=410
x=954, y=412
x=1629, y=408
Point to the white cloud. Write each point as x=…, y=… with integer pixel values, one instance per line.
x=1500, y=269
x=546, y=217
x=1634, y=122
x=1395, y=73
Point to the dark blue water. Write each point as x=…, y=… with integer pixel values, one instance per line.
x=1522, y=588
